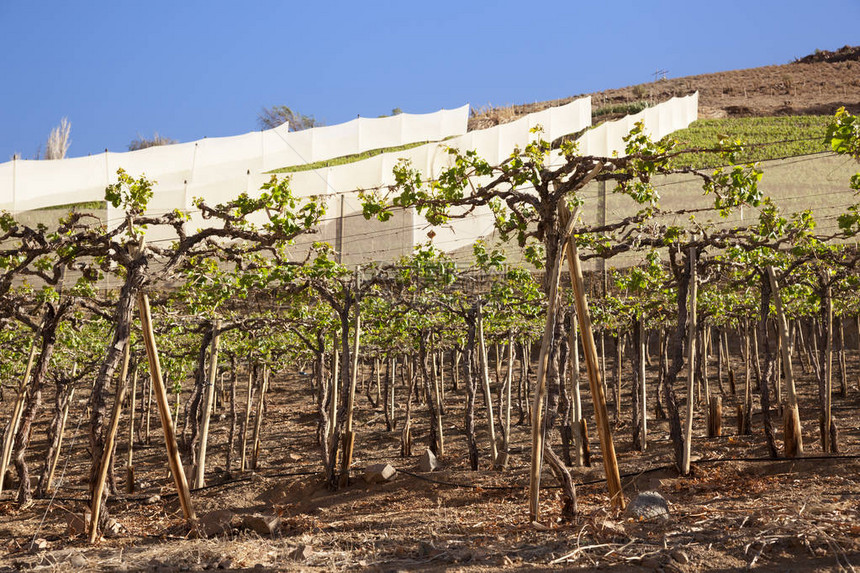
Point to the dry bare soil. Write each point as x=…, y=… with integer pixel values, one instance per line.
x=738, y=508
x=817, y=84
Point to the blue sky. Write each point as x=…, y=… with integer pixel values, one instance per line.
x=189, y=69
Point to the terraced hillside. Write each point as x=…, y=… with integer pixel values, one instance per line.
x=817, y=84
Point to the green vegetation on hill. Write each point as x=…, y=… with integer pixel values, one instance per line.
x=763, y=138
x=83, y=206
x=344, y=159
x=622, y=108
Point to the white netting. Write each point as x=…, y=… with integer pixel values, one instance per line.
x=213, y=165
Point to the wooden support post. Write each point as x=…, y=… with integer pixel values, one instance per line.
x=12, y=429
x=258, y=422
x=244, y=460
x=49, y=482
x=715, y=417
x=164, y=409
x=598, y=396
x=348, y=432
x=691, y=365
x=576, y=420
x=792, y=435
x=508, y=383
x=148, y=411
x=207, y=405
x=827, y=415
x=335, y=391
x=488, y=397
x=540, y=385
x=110, y=440
x=643, y=396
x=129, y=464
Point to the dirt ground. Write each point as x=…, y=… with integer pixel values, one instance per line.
x=738, y=509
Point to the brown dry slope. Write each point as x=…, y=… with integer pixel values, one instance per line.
x=816, y=84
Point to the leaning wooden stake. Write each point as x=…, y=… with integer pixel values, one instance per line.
x=207, y=405
x=576, y=420
x=96, y=502
x=16, y=416
x=540, y=384
x=691, y=366
x=509, y=380
x=65, y=417
x=827, y=415
x=160, y=392
x=488, y=397
x=258, y=421
x=129, y=463
x=244, y=463
x=601, y=415
x=643, y=397
x=791, y=420
x=348, y=432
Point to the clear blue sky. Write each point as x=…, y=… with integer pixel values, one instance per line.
x=189, y=69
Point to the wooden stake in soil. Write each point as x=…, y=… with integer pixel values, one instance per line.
x=610, y=462
x=96, y=502
x=576, y=419
x=129, y=464
x=791, y=420
x=348, y=433
x=485, y=379
x=255, y=449
x=643, y=396
x=164, y=409
x=715, y=417
x=540, y=388
x=247, y=420
x=207, y=405
x=827, y=414
x=16, y=416
x=61, y=430
x=691, y=370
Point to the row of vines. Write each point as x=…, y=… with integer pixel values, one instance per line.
x=216, y=318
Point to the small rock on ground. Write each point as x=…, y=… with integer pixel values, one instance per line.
x=262, y=524
x=428, y=462
x=648, y=506
x=378, y=473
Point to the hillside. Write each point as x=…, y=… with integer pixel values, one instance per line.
x=817, y=84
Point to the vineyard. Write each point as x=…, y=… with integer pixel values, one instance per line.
x=229, y=406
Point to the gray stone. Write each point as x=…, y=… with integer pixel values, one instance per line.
x=262, y=524
x=216, y=522
x=648, y=506
x=78, y=560
x=428, y=462
x=378, y=473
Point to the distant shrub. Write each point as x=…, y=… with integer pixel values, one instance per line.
x=58, y=141
x=141, y=142
x=272, y=117
x=622, y=108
